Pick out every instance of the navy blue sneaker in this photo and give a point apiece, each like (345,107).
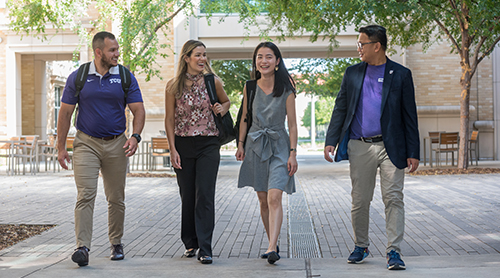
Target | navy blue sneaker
(394,261)
(358,255)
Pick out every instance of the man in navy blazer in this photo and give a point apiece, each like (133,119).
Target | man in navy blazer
(374,125)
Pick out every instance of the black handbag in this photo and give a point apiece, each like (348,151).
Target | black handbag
(224,123)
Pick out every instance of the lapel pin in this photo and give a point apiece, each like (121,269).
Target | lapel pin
(391,71)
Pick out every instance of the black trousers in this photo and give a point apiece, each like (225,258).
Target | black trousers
(200,157)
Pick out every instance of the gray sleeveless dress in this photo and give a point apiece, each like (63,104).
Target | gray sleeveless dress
(267,146)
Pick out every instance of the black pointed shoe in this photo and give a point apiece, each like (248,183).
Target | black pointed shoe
(205,259)
(117,252)
(81,256)
(265,255)
(272,257)
(189,253)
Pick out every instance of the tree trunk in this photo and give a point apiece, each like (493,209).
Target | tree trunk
(464,120)
(465,82)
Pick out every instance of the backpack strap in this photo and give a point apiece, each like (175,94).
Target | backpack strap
(81,78)
(126,78)
(83,72)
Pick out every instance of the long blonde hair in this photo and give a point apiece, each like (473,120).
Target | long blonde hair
(177,86)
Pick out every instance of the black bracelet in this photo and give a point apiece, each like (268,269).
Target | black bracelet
(293,150)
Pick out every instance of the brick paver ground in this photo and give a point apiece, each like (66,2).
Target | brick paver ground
(445,215)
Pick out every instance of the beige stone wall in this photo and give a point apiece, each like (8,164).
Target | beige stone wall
(481,92)
(153,91)
(436,74)
(28,93)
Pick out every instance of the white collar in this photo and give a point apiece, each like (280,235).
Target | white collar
(112,70)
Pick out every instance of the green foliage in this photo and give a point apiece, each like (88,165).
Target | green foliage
(142,21)
(32,16)
(471,27)
(234,74)
(321,77)
(322,111)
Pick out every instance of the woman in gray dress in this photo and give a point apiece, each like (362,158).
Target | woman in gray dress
(268,152)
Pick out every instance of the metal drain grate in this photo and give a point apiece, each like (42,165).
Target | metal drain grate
(301,235)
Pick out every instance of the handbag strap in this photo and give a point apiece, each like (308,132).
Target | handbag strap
(210,84)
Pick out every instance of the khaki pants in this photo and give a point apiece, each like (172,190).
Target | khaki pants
(91,154)
(364,159)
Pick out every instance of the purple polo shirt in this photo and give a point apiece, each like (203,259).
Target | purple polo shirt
(366,122)
(101,108)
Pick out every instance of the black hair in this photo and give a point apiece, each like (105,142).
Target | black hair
(376,33)
(282,79)
(98,40)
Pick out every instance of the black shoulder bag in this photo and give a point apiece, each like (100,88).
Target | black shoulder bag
(224,123)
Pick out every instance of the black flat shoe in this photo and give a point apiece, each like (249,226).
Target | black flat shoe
(190,252)
(265,255)
(273,257)
(205,259)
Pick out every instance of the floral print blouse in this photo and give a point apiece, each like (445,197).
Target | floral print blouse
(193,116)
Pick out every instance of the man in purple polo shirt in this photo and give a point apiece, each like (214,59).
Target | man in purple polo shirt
(100,142)
(374,125)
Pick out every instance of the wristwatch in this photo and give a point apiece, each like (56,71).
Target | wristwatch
(137,137)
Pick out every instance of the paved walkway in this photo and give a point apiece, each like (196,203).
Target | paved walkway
(452,227)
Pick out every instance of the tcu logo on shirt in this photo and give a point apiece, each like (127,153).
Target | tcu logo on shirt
(115,80)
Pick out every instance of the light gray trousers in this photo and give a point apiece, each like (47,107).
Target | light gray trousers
(365,159)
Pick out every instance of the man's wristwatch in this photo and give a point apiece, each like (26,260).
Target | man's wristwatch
(137,137)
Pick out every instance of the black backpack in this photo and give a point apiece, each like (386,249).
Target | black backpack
(83,72)
(251,85)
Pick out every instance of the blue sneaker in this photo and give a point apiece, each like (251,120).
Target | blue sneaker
(394,261)
(358,255)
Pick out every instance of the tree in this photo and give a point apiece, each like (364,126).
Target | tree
(321,77)
(471,27)
(234,74)
(142,21)
(323,111)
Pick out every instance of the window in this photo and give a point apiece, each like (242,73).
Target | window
(57,104)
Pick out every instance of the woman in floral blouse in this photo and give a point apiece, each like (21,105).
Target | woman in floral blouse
(194,147)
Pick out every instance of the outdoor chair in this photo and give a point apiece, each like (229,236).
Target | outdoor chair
(7,150)
(433,142)
(159,148)
(48,152)
(27,152)
(448,143)
(474,146)
(141,156)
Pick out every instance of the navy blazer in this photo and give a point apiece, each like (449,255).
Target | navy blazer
(398,118)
